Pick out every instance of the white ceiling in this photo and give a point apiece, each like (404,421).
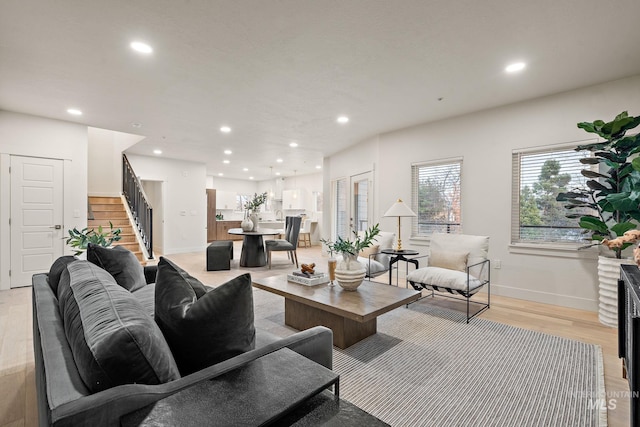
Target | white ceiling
(278,71)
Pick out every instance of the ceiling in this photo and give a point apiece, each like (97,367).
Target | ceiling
(278,71)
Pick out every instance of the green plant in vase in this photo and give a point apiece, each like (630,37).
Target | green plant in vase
(610,205)
(349,272)
(80,239)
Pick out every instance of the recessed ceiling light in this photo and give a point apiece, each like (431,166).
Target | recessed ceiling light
(136,125)
(226,162)
(250,177)
(74,111)
(343,119)
(220,174)
(227,151)
(318,167)
(277,173)
(515,67)
(279,160)
(293,144)
(225,129)
(158,152)
(141,47)
(245,169)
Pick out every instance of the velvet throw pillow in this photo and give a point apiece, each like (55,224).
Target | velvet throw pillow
(203,329)
(121,263)
(113,340)
(56,270)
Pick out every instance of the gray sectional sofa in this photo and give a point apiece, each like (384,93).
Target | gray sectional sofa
(65,399)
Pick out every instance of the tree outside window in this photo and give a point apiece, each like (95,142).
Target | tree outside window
(540,177)
(436,198)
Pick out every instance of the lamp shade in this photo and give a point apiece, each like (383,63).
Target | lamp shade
(399,208)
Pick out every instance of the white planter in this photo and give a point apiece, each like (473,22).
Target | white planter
(608,275)
(350,272)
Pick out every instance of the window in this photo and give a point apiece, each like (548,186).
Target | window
(435,197)
(538,177)
(340,209)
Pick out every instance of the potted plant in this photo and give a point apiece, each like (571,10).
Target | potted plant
(79,239)
(610,205)
(253,206)
(349,272)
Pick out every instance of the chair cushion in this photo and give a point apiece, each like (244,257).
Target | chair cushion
(121,263)
(371,250)
(477,246)
(279,245)
(385,241)
(206,330)
(113,340)
(373,269)
(452,260)
(56,270)
(445,278)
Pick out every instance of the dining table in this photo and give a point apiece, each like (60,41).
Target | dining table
(253,253)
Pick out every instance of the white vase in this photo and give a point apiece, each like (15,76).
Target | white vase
(608,275)
(254,219)
(246,224)
(350,272)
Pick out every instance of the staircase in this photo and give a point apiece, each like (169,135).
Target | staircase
(107,209)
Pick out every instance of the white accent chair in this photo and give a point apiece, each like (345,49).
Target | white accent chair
(457,264)
(378,263)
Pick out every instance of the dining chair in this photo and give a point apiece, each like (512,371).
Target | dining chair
(289,243)
(305,233)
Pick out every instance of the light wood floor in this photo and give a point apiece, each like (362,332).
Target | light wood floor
(17,381)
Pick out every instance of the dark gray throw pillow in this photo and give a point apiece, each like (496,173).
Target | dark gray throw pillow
(56,270)
(202,331)
(113,340)
(121,263)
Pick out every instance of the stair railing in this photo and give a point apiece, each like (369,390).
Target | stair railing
(138,204)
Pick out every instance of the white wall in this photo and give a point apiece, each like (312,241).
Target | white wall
(486,140)
(26,135)
(105,160)
(185,206)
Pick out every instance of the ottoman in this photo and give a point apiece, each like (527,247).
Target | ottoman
(219,255)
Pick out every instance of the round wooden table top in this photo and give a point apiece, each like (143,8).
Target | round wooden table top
(259,232)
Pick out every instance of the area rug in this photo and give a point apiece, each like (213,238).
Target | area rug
(427,367)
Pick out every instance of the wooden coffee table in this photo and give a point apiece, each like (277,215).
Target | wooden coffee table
(352,316)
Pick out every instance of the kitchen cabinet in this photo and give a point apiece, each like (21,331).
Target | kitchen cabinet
(226,200)
(211,215)
(223,228)
(293,199)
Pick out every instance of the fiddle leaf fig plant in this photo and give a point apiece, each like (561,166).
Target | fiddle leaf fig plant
(80,239)
(610,204)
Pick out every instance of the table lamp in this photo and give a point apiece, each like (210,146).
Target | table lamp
(399,209)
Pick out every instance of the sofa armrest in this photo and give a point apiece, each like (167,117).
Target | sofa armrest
(150,272)
(106,407)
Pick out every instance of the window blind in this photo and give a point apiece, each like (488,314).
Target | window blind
(436,197)
(538,177)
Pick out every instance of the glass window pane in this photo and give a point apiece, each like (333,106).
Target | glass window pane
(436,198)
(541,176)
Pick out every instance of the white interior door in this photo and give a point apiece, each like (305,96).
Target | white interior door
(361,201)
(37,234)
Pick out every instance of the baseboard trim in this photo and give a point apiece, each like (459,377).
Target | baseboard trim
(545,297)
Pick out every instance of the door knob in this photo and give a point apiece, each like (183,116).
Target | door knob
(57,226)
